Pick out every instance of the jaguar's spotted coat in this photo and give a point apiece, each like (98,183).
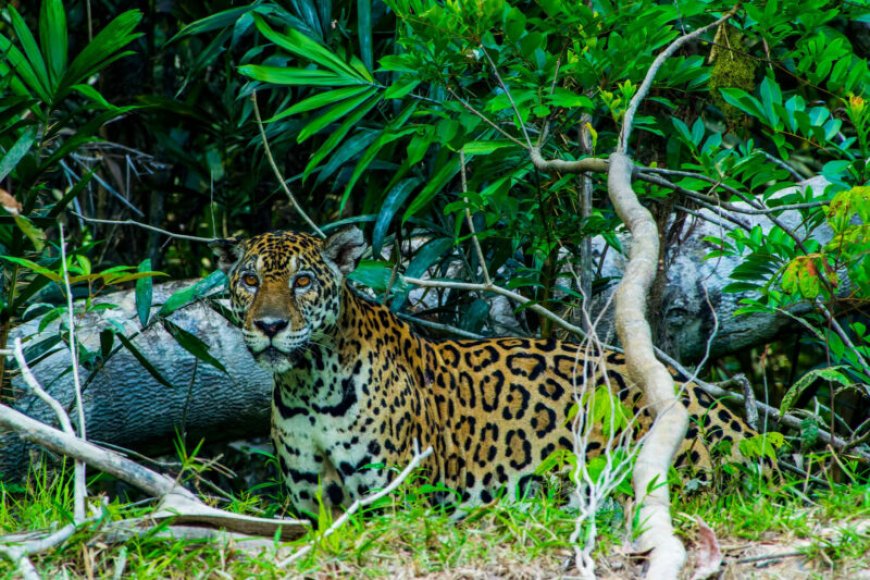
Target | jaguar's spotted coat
(355,386)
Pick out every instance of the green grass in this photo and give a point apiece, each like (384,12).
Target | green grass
(405,535)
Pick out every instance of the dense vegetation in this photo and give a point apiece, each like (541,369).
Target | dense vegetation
(407,116)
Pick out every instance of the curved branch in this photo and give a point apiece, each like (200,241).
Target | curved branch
(671,418)
(628,120)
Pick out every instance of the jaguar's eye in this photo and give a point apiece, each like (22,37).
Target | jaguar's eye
(251,280)
(302,281)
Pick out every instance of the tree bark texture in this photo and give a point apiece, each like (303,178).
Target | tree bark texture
(693,292)
(125,406)
(656,455)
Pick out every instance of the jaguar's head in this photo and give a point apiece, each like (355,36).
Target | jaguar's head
(286,289)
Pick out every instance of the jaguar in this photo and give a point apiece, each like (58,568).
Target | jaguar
(356,389)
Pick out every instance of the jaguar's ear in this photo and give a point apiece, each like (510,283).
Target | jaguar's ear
(344,248)
(228,252)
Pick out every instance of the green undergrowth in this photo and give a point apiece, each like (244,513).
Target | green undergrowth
(405,536)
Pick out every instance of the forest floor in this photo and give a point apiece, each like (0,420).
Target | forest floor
(785,530)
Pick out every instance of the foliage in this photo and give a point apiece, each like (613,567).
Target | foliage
(370,109)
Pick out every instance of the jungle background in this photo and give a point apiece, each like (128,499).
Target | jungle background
(406,117)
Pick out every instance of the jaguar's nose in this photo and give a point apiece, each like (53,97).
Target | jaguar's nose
(271,326)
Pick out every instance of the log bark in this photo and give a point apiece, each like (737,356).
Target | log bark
(693,294)
(125,406)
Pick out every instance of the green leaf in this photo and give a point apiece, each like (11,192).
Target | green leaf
(374,274)
(562,97)
(321,100)
(53,38)
(33,233)
(192,344)
(350,148)
(31,51)
(93,94)
(486,147)
(297,43)
(144,292)
(427,255)
(762,445)
(306,77)
(364,29)
(103,49)
(19,65)
(770,95)
(24,262)
(146,364)
(392,202)
(338,134)
(193,293)
(385,138)
(17,151)
(212,22)
(794,392)
(442,176)
(400,89)
(333,114)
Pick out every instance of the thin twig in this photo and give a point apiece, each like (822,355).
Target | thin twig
(438,326)
(766,557)
(474,240)
(503,292)
(485,119)
(643,90)
(18,553)
(34,385)
(277,171)
(509,98)
(80,483)
(363,502)
(143,226)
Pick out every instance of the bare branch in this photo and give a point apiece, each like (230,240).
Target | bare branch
(143,226)
(475,241)
(80,484)
(510,98)
(773,413)
(537,308)
(30,381)
(177,503)
(277,171)
(640,95)
(589,164)
(484,118)
(671,418)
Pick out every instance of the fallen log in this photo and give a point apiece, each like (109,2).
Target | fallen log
(127,407)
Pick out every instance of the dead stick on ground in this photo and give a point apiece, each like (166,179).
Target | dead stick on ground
(176,501)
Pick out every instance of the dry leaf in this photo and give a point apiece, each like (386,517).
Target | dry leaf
(9,203)
(708,557)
